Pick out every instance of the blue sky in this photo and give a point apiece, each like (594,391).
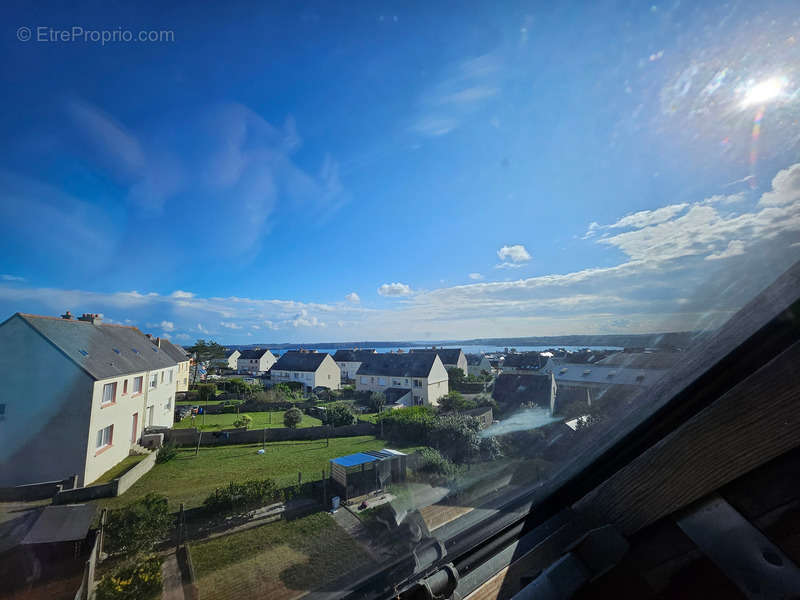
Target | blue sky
(397,171)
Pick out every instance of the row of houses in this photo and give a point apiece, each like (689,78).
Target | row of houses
(78,394)
(255,362)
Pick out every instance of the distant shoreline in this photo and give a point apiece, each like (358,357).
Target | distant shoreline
(669,340)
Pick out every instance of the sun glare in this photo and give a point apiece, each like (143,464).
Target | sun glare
(764,91)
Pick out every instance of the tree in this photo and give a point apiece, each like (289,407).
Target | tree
(292,417)
(376,401)
(138,526)
(455,375)
(243,421)
(339,414)
(204,351)
(206,392)
(455,402)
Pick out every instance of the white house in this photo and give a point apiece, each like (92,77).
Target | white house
(311,368)
(255,361)
(452,358)
(420,373)
(229,361)
(477,364)
(77,395)
(180,356)
(350,360)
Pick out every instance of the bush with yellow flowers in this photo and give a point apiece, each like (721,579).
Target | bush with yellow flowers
(138,580)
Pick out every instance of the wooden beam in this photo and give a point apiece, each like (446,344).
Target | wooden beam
(752,423)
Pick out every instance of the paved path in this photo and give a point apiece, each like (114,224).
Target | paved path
(171,577)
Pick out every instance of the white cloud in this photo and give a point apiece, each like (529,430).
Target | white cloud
(516,253)
(183,336)
(166,335)
(475,276)
(167,325)
(508,265)
(394,289)
(229,325)
(592,230)
(11,278)
(353,298)
(181,294)
(735,248)
(643,218)
(202,329)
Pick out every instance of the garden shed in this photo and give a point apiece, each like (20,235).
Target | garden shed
(363,472)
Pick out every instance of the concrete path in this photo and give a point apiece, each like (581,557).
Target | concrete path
(171,578)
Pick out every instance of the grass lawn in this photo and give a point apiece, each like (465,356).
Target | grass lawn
(260,420)
(197,403)
(277,560)
(370,417)
(125,465)
(190,479)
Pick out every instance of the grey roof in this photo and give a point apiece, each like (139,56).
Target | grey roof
(103,350)
(253,354)
(230,353)
(475,359)
(61,524)
(176,353)
(448,356)
(597,374)
(295,360)
(353,355)
(417,364)
(524,360)
(394,395)
(522,388)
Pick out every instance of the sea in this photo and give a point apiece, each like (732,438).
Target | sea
(472,349)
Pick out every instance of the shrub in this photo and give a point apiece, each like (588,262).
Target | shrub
(434,463)
(138,526)
(292,417)
(137,581)
(456,436)
(243,421)
(454,401)
(241,498)
(376,401)
(339,414)
(490,448)
(168,452)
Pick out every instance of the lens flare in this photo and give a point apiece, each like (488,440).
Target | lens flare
(763,92)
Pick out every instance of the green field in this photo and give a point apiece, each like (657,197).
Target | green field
(225,421)
(190,479)
(276,560)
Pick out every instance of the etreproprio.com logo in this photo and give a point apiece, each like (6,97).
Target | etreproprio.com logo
(92,36)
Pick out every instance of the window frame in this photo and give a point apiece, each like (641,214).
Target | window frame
(108,386)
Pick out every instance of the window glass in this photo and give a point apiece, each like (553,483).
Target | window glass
(570,198)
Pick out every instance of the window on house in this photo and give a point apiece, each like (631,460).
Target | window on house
(105,437)
(137,385)
(363,379)
(2,412)
(417,383)
(171,375)
(109,393)
(162,376)
(154,381)
(124,387)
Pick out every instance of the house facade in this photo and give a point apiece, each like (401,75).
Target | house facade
(350,360)
(452,358)
(255,361)
(423,373)
(312,369)
(79,394)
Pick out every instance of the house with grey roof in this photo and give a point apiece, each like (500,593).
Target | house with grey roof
(77,395)
(311,368)
(477,364)
(422,373)
(350,359)
(255,361)
(229,361)
(180,356)
(452,358)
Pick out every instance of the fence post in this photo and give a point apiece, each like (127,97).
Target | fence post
(299,478)
(181,520)
(101,535)
(324,489)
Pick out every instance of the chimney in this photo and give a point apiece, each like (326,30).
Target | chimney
(67,315)
(92,318)
(158,342)
(149,336)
